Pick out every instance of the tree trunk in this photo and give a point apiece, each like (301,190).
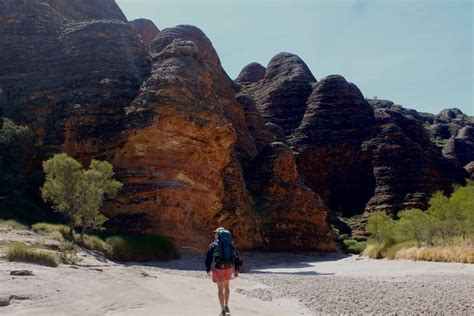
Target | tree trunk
(71,231)
(83,230)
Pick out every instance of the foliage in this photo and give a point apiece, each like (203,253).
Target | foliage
(381,226)
(447,223)
(141,248)
(20,252)
(78,193)
(16,179)
(353,246)
(95,243)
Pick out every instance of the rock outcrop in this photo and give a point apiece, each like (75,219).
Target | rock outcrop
(146,29)
(68,69)
(161,109)
(470,169)
(461,147)
(284,206)
(281,95)
(407,166)
(356,160)
(252,73)
(328,144)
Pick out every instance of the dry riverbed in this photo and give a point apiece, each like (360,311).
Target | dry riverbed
(273,284)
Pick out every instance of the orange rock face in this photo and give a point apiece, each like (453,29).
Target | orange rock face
(190,154)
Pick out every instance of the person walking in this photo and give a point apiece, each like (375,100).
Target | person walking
(222,261)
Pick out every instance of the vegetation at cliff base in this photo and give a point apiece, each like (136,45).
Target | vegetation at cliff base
(444,232)
(120,247)
(78,193)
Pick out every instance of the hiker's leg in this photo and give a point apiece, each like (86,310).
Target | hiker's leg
(226,292)
(220,293)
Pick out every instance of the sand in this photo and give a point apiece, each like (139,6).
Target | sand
(272,284)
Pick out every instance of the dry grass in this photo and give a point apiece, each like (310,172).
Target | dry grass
(463,254)
(94,243)
(20,252)
(50,228)
(374,251)
(10,223)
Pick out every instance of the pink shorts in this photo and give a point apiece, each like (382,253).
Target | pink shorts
(221,275)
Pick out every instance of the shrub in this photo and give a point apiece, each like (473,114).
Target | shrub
(374,250)
(381,226)
(353,246)
(141,248)
(20,252)
(415,225)
(94,243)
(445,232)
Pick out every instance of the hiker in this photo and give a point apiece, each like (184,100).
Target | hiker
(224,261)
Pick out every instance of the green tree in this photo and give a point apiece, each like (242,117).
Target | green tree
(414,224)
(78,193)
(462,209)
(381,226)
(15,147)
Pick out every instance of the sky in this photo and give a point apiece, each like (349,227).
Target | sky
(417,53)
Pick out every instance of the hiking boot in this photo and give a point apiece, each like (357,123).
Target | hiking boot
(227,310)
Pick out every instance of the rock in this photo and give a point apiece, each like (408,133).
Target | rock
(470,169)
(252,73)
(408,168)
(451,113)
(281,95)
(261,134)
(360,161)
(461,146)
(328,144)
(445,131)
(177,142)
(292,217)
(4,301)
(146,29)
(77,66)
(22,272)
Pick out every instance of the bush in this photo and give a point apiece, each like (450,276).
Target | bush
(94,243)
(445,232)
(20,252)
(353,246)
(375,250)
(141,248)
(381,226)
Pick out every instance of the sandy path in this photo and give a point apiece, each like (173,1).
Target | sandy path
(122,290)
(273,284)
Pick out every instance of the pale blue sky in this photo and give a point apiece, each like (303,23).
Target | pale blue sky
(416,53)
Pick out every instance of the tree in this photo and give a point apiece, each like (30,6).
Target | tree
(78,193)
(15,147)
(414,224)
(380,226)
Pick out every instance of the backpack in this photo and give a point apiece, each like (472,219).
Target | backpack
(224,246)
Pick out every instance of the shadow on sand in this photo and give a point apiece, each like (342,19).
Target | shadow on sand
(254,262)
